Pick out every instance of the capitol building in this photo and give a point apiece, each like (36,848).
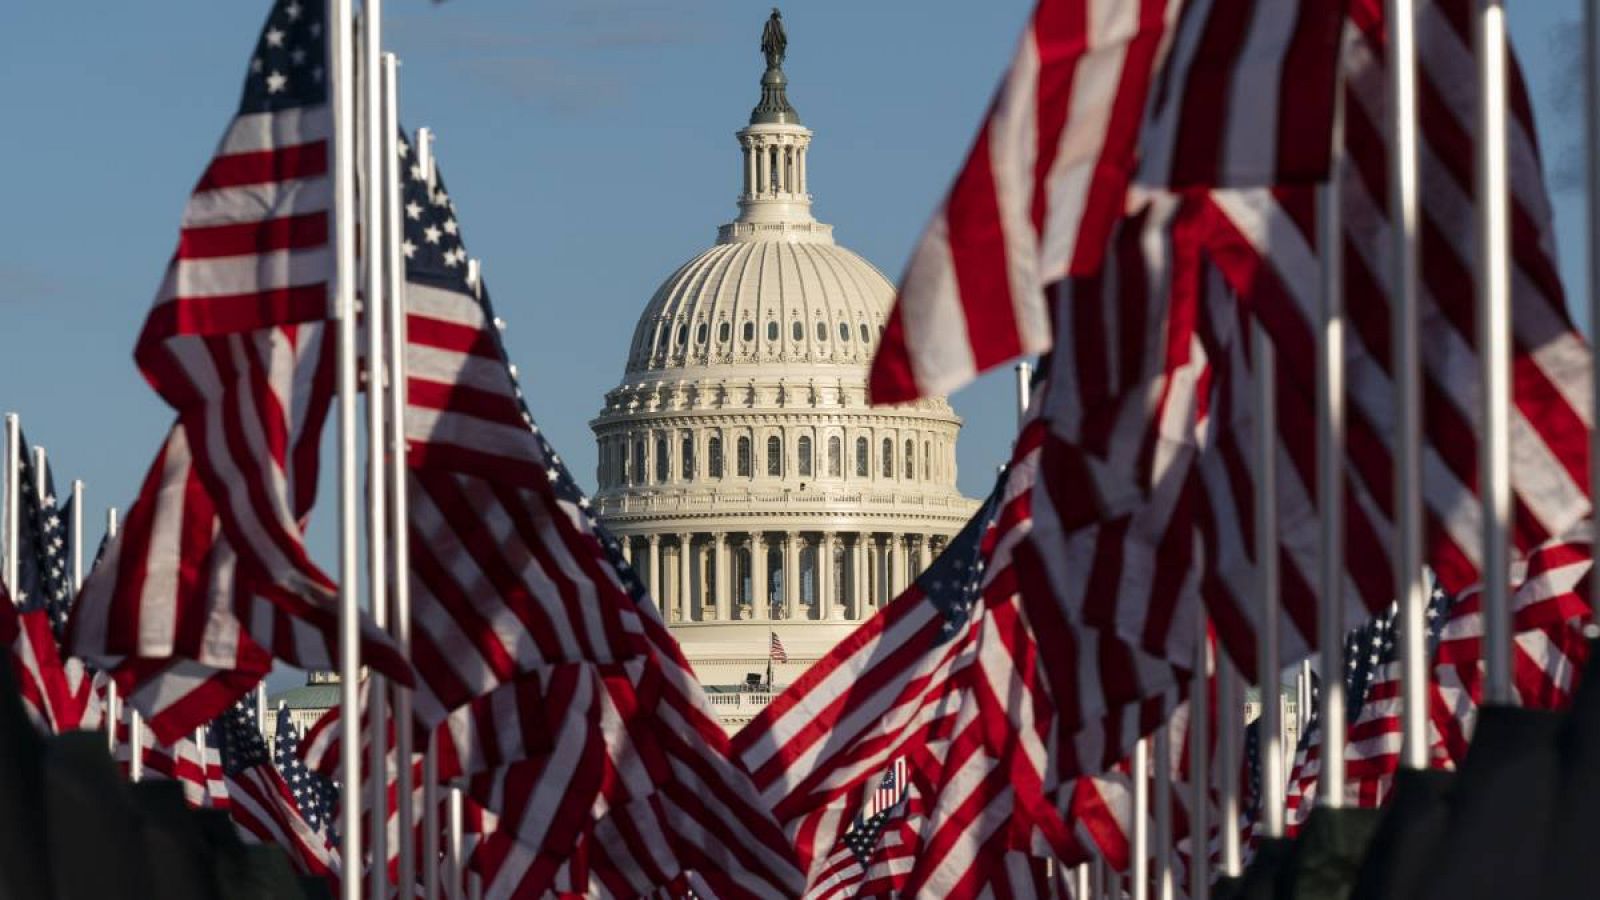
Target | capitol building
(740,464)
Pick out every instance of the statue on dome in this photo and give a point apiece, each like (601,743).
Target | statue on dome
(773,41)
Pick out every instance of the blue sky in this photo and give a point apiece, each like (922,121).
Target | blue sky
(588,145)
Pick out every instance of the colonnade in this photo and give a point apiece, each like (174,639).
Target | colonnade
(726,576)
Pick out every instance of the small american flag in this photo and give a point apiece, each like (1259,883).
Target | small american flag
(775,651)
(263,807)
(317,796)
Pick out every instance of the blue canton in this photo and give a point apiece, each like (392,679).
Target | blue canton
(42,551)
(289,67)
(238,738)
(315,795)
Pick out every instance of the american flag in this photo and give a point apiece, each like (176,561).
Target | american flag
(191,761)
(316,796)
(42,551)
(775,651)
(235,343)
(36,664)
(875,852)
(1228,93)
(263,807)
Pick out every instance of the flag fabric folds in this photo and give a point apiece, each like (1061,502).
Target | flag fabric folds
(262,805)
(209,578)
(775,651)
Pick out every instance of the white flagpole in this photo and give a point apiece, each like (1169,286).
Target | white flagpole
(76,527)
(457,870)
(1494,345)
(374,268)
(113,711)
(1024,390)
(1080,881)
(1591,86)
(1268,660)
(1139,864)
(430,755)
(41,459)
(1403,211)
(135,746)
(1199,765)
(13,499)
(395,435)
(1161,747)
(1330,464)
(341,63)
(261,710)
(1231,725)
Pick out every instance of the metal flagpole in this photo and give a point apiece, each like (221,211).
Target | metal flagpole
(1494,345)
(457,871)
(76,526)
(1591,86)
(1230,726)
(373,271)
(113,711)
(1080,880)
(341,57)
(41,459)
(1330,464)
(135,746)
(1403,198)
(1024,389)
(395,458)
(1199,764)
(1161,751)
(13,499)
(430,754)
(1139,864)
(261,710)
(1268,665)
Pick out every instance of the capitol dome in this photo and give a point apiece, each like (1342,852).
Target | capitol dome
(740,463)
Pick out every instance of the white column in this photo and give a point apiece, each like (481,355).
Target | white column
(922,555)
(655,573)
(791,575)
(802,186)
(831,590)
(627,548)
(763,169)
(858,576)
(749,171)
(761,611)
(722,588)
(893,565)
(685,602)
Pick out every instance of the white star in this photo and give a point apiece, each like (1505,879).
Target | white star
(403,149)
(292,11)
(416,172)
(431,234)
(408,248)
(450,226)
(276,82)
(450,259)
(413,210)
(440,198)
(274,37)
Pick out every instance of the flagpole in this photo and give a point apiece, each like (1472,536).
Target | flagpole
(457,873)
(1161,747)
(76,526)
(13,501)
(1268,659)
(1024,390)
(373,270)
(1330,462)
(1230,725)
(1494,350)
(341,57)
(1591,86)
(135,746)
(113,713)
(261,711)
(1199,764)
(1406,354)
(430,755)
(399,514)
(1139,864)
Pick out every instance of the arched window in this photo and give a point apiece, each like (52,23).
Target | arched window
(797,331)
(749,332)
(774,455)
(683,335)
(638,462)
(661,459)
(744,457)
(866,336)
(701,333)
(686,453)
(927,460)
(772,331)
(724,331)
(863,458)
(835,457)
(911,458)
(803,448)
(714,456)
(822,331)
(844,331)
(888,458)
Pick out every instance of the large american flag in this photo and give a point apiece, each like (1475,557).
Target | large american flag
(263,807)
(210,578)
(1101,92)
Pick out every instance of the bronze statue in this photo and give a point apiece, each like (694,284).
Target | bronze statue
(773,41)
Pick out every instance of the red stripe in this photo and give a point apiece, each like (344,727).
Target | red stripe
(298,232)
(277,164)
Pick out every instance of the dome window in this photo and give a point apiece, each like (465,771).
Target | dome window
(863,458)
(772,331)
(714,456)
(822,331)
(775,456)
(835,455)
(749,332)
(701,333)
(686,453)
(844,331)
(803,448)
(866,336)
(638,462)
(661,459)
(888,458)
(744,457)
(797,331)
(683,335)
(927,460)
(911,459)
(725,331)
